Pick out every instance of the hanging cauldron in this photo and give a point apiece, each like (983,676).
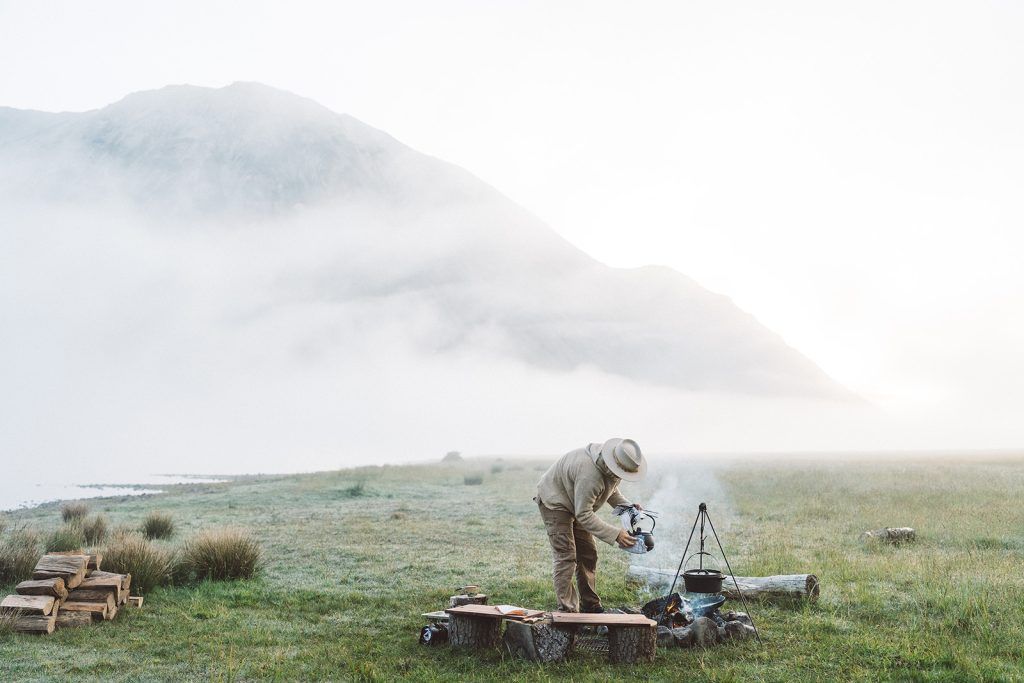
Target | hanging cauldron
(703,580)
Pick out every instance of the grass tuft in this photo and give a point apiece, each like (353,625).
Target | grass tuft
(95,529)
(473,479)
(222,555)
(158,525)
(357,490)
(73,511)
(132,553)
(69,537)
(19,553)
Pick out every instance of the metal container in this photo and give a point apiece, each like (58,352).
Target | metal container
(703,580)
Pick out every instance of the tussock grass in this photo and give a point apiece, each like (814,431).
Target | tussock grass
(73,511)
(132,553)
(68,537)
(158,525)
(473,479)
(222,555)
(95,529)
(20,550)
(7,619)
(357,490)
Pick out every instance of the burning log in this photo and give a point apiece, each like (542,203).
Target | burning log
(539,642)
(630,644)
(783,587)
(894,535)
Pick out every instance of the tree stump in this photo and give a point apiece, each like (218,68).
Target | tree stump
(539,642)
(467,599)
(475,632)
(631,644)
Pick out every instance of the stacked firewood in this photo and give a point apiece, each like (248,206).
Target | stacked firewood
(67,590)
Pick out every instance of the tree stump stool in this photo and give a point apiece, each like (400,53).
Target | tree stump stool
(631,644)
(539,642)
(477,632)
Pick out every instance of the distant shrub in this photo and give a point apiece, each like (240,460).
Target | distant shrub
(95,529)
(68,537)
(473,479)
(452,456)
(19,552)
(132,553)
(222,555)
(357,490)
(497,469)
(73,511)
(398,514)
(158,525)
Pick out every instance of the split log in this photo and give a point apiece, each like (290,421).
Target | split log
(35,623)
(92,595)
(135,601)
(98,610)
(126,579)
(471,631)
(93,561)
(71,568)
(894,535)
(53,587)
(111,584)
(28,604)
(632,644)
(539,642)
(66,619)
(782,587)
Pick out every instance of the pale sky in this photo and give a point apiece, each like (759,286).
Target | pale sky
(847,172)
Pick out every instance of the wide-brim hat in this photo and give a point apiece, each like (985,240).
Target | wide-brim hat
(624,459)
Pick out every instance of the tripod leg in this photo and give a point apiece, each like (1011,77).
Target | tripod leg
(732,575)
(682,559)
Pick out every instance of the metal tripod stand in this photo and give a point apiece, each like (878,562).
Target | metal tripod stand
(702,519)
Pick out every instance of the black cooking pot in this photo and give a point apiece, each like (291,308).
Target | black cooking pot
(703,580)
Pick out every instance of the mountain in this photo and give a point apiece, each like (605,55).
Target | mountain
(377,238)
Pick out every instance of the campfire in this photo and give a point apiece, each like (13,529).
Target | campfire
(696,620)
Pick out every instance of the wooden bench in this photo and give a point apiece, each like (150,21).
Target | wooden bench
(631,637)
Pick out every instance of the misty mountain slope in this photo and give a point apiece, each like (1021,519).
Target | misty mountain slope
(373,236)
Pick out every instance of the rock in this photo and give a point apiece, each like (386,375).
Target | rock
(705,632)
(737,630)
(741,617)
(683,636)
(665,638)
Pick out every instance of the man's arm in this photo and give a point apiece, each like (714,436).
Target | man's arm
(584,496)
(617,498)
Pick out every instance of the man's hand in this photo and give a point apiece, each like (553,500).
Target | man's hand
(638,506)
(624,540)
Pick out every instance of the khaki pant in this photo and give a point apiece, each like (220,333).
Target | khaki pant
(575,554)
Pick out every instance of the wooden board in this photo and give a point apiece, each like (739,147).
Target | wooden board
(490,611)
(52,587)
(28,604)
(601,619)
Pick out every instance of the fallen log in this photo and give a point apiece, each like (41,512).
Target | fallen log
(28,604)
(891,534)
(66,619)
(35,623)
(782,587)
(53,587)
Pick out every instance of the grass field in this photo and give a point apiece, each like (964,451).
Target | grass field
(354,557)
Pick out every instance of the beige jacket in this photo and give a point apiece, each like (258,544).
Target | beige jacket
(575,484)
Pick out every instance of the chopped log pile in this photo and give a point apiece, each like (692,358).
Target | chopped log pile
(67,590)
